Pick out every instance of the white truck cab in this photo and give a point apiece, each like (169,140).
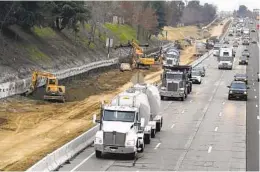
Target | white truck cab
(128,122)
(226,58)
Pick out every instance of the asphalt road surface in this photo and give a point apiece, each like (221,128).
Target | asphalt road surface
(205,132)
(252,111)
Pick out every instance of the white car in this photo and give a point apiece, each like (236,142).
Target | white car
(196,77)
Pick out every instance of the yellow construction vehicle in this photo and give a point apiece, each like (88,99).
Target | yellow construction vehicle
(139,59)
(52,91)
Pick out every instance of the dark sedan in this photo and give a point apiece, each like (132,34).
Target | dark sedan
(240,77)
(237,89)
(243,60)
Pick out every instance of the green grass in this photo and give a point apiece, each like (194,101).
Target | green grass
(36,55)
(122,32)
(88,27)
(45,32)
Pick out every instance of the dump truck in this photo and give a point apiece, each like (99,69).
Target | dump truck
(53,91)
(176,82)
(129,121)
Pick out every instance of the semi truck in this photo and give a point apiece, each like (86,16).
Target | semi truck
(226,58)
(176,82)
(129,121)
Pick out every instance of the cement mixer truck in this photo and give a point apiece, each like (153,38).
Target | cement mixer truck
(129,121)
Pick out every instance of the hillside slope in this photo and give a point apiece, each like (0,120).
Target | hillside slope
(49,50)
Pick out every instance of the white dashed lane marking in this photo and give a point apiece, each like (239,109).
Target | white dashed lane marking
(156,147)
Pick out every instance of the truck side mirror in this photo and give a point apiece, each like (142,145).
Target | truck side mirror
(142,122)
(228,86)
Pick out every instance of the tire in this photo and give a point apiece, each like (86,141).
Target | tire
(142,146)
(147,139)
(183,98)
(158,126)
(229,98)
(200,82)
(162,97)
(245,98)
(153,133)
(98,154)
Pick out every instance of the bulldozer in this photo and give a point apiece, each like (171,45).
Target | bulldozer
(53,91)
(138,59)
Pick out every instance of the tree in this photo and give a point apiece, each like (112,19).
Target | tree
(69,13)
(149,21)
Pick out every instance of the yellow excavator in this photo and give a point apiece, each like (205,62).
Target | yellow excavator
(139,59)
(53,90)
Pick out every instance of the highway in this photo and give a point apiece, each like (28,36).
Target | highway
(252,120)
(205,132)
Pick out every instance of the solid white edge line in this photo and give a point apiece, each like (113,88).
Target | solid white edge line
(256,105)
(258,117)
(191,101)
(157,145)
(82,162)
(254,89)
(223,103)
(220,113)
(182,111)
(256,97)
(216,129)
(172,125)
(210,148)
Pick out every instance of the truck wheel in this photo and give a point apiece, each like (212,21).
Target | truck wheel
(183,98)
(153,133)
(229,98)
(147,139)
(140,146)
(245,98)
(162,97)
(98,154)
(158,126)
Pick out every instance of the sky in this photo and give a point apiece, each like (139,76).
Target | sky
(230,5)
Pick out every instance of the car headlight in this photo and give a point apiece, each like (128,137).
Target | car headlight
(230,92)
(130,143)
(245,92)
(98,140)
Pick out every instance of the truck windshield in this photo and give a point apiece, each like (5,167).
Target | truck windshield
(173,76)
(225,59)
(122,116)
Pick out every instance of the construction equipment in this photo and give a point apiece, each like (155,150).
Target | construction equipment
(139,59)
(52,91)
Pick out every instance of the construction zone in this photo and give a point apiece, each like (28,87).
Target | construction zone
(31,126)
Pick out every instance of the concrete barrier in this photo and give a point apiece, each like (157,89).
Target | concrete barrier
(54,160)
